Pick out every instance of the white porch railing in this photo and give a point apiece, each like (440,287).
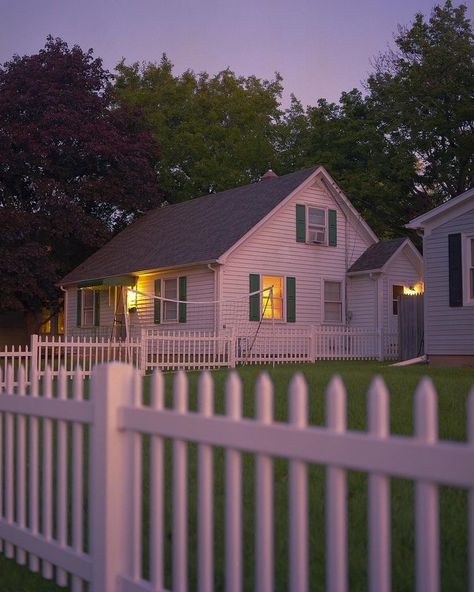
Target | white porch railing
(43,473)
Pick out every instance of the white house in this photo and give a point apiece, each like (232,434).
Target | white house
(298,233)
(448,249)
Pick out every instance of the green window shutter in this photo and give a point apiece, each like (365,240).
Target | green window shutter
(455,269)
(97,308)
(254,301)
(79,308)
(300,223)
(157,303)
(332,224)
(290,299)
(182,296)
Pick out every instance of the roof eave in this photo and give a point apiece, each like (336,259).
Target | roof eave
(364,272)
(138,273)
(419,222)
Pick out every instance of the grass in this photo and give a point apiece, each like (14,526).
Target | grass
(453,386)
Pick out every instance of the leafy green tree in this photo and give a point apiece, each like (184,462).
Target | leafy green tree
(74,168)
(423,96)
(408,143)
(215,132)
(345,138)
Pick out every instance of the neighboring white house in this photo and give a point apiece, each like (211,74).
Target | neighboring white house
(298,233)
(448,249)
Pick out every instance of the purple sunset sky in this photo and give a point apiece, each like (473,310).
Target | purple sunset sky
(320,48)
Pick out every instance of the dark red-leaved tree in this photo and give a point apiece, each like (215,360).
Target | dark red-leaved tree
(75,167)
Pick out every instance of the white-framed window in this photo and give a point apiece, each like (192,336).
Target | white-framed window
(317,225)
(88,308)
(170,309)
(397,291)
(333,301)
(468,270)
(272,300)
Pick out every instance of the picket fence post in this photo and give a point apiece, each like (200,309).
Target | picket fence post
(143,351)
(380,356)
(312,344)
(112,386)
(34,362)
(232,347)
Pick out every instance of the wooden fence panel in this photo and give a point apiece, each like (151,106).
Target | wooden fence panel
(410,326)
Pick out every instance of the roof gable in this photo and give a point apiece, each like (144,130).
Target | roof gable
(446,211)
(379,255)
(196,231)
(202,230)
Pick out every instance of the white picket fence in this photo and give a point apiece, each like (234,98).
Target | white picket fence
(49,501)
(199,350)
(186,350)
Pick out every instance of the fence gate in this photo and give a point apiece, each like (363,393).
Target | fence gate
(410,326)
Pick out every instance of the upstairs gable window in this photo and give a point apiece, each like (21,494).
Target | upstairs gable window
(317,226)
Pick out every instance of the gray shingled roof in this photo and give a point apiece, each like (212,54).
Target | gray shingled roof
(195,231)
(377,255)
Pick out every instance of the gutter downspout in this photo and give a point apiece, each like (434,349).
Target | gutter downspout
(217,288)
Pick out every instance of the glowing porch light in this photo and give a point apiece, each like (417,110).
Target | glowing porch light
(132,297)
(414,290)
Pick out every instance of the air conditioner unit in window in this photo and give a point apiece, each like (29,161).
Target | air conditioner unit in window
(317,237)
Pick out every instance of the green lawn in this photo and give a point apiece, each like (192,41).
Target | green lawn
(453,386)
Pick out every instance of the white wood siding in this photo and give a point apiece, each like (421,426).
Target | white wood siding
(200,288)
(273,250)
(448,330)
(362,301)
(402,272)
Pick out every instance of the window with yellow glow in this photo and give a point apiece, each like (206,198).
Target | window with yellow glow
(272,299)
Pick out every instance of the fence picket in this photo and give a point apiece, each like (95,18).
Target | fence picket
(21,465)
(77,480)
(180,492)
(426,495)
(33,492)
(205,492)
(336,495)
(47,568)
(233,491)
(298,494)
(61,478)
(157,490)
(264,492)
(379,566)
(9,461)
